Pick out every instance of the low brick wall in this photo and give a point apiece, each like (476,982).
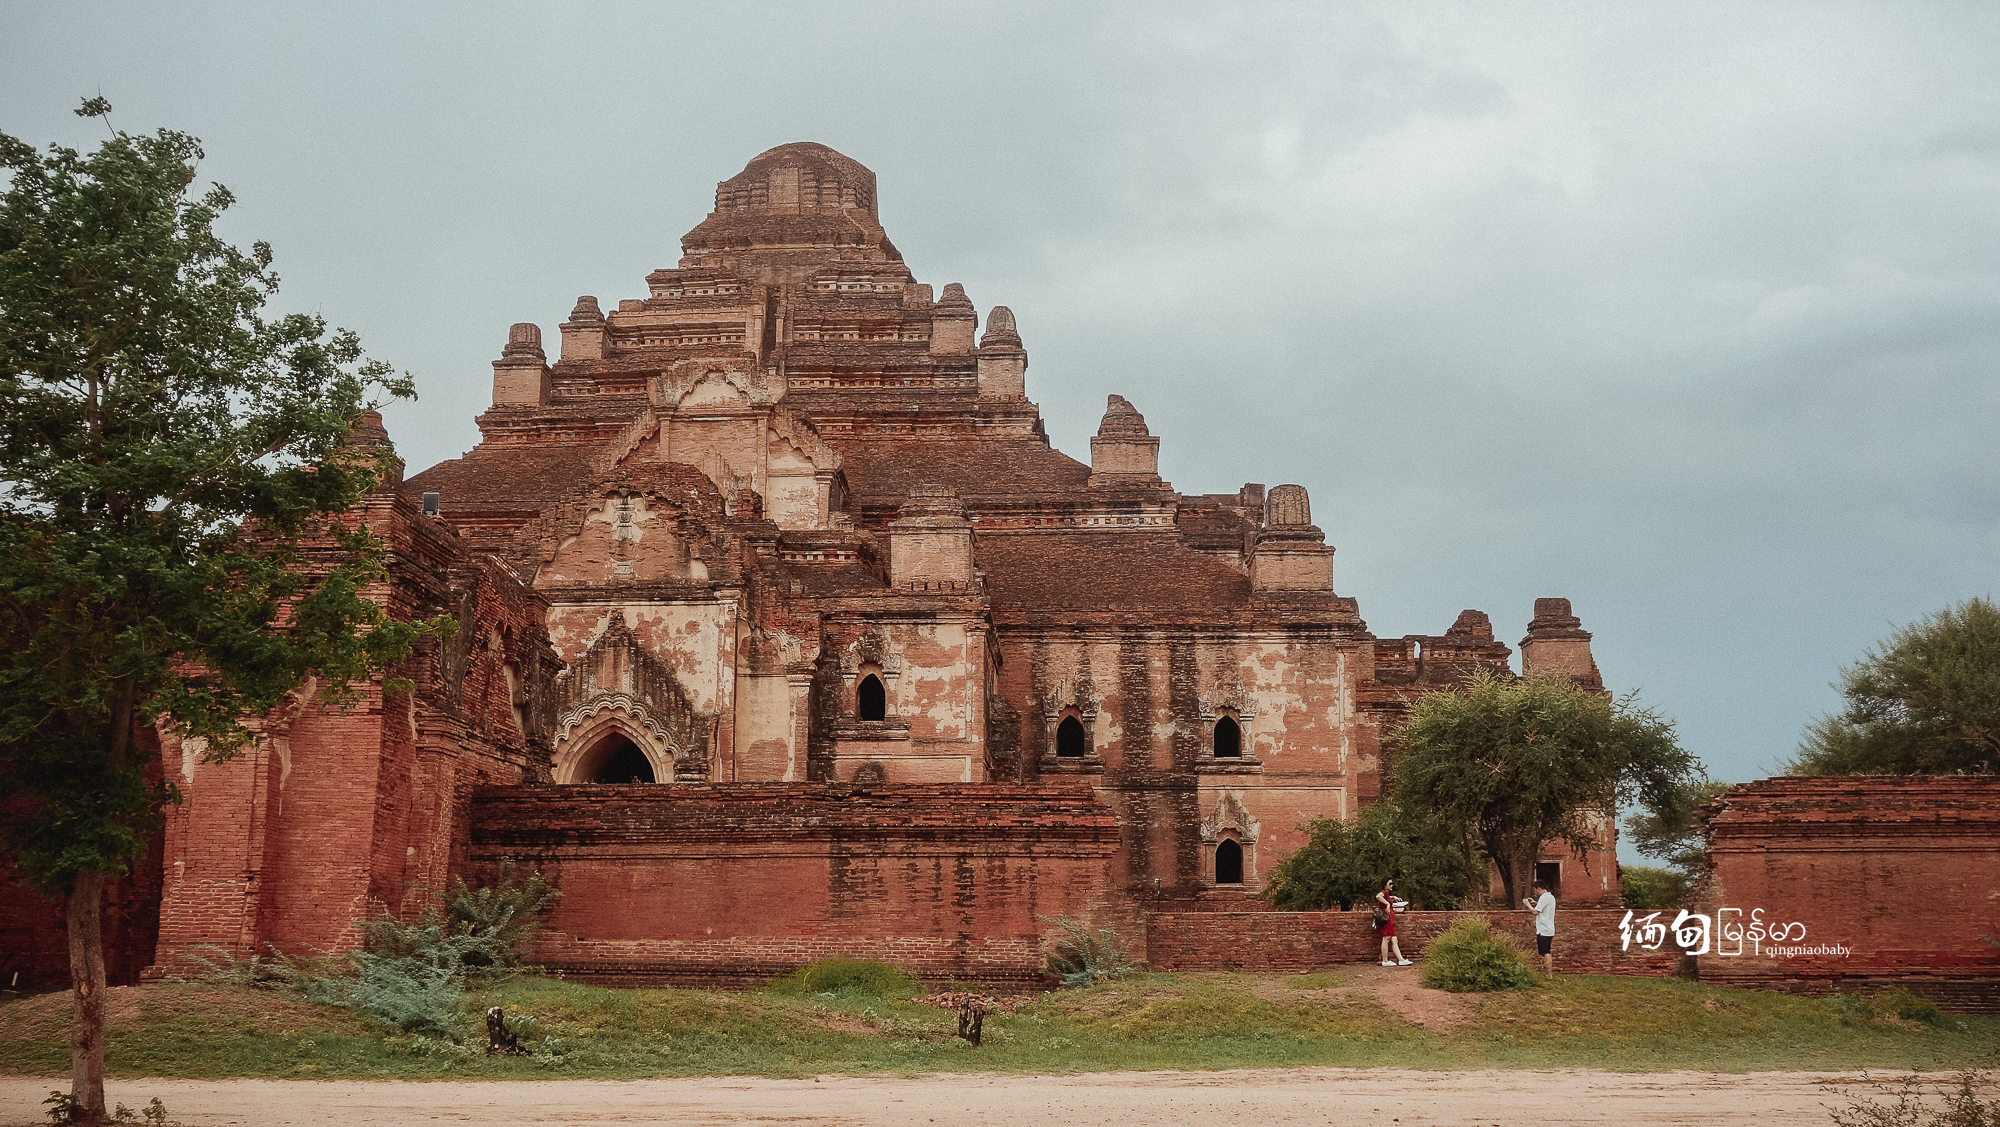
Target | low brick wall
(732,885)
(1587,940)
(1876,881)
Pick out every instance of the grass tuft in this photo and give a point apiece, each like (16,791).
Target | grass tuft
(847,978)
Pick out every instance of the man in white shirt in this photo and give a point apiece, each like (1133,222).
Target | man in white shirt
(1543,904)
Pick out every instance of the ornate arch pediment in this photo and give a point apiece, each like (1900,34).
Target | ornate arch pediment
(726,379)
(871,648)
(1225,696)
(1054,695)
(1230,817)
(617,685)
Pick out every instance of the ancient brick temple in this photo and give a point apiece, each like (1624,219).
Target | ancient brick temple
(785,632)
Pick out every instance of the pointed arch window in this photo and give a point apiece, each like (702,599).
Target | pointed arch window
(1228,862)
(1228,739)
(871,701)
(1070,741)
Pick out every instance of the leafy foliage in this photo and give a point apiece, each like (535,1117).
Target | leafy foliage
(1346,862)
(1925,702)
(147,412)
(411,975)
(415,995)
(482,930)
(1513,763)
(1672,835)
(146,408)
(1080,956)
(1646,887)
(1470,956)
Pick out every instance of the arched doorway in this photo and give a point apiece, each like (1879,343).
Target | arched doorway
(612,758)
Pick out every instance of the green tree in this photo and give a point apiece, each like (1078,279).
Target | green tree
(1673,835)
(1512,763)
(1647,886)
(171,478)
(1925,702)
(1345,862)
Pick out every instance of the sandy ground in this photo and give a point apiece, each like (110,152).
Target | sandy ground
(1258,1098)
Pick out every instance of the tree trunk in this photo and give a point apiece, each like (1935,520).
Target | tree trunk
(85,912)
(1516,864)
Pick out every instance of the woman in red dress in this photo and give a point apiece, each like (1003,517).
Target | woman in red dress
(1387,900)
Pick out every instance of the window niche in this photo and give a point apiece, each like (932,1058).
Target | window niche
(1069,719)
(871,700)
(1229,843)
(1228,739)
(1228,862)
(1071,742)
(869,670)
(1228,717)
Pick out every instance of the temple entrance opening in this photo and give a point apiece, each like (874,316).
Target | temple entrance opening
(619,760)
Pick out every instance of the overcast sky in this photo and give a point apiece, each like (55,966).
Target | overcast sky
(1689,312)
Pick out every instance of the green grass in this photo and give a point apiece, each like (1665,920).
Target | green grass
(1191,1021)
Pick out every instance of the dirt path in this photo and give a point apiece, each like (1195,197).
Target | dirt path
(1261,1098)
(1438,1011)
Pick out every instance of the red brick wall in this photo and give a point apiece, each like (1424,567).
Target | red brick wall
(737,883)
(339,813)
(1587,940)
(1903,873)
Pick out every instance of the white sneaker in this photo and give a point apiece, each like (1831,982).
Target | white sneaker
(1402,962)
(1387,963)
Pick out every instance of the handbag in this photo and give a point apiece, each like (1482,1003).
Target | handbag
(1381,917)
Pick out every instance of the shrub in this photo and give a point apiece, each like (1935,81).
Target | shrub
(394,991)
(848,978)
(1081,956)
(481,931)
(1470,956)
(499,919)
(1960,1105)
(411,975)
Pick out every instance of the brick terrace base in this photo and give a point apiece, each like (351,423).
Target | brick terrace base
(1586,940)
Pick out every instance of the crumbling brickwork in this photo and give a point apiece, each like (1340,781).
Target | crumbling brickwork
(339,812)
(1876,882)
(789,519)
(735,884)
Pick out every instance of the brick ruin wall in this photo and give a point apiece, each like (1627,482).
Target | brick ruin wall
(734,885)
(1587,940)
(342,812)
(1902,873)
